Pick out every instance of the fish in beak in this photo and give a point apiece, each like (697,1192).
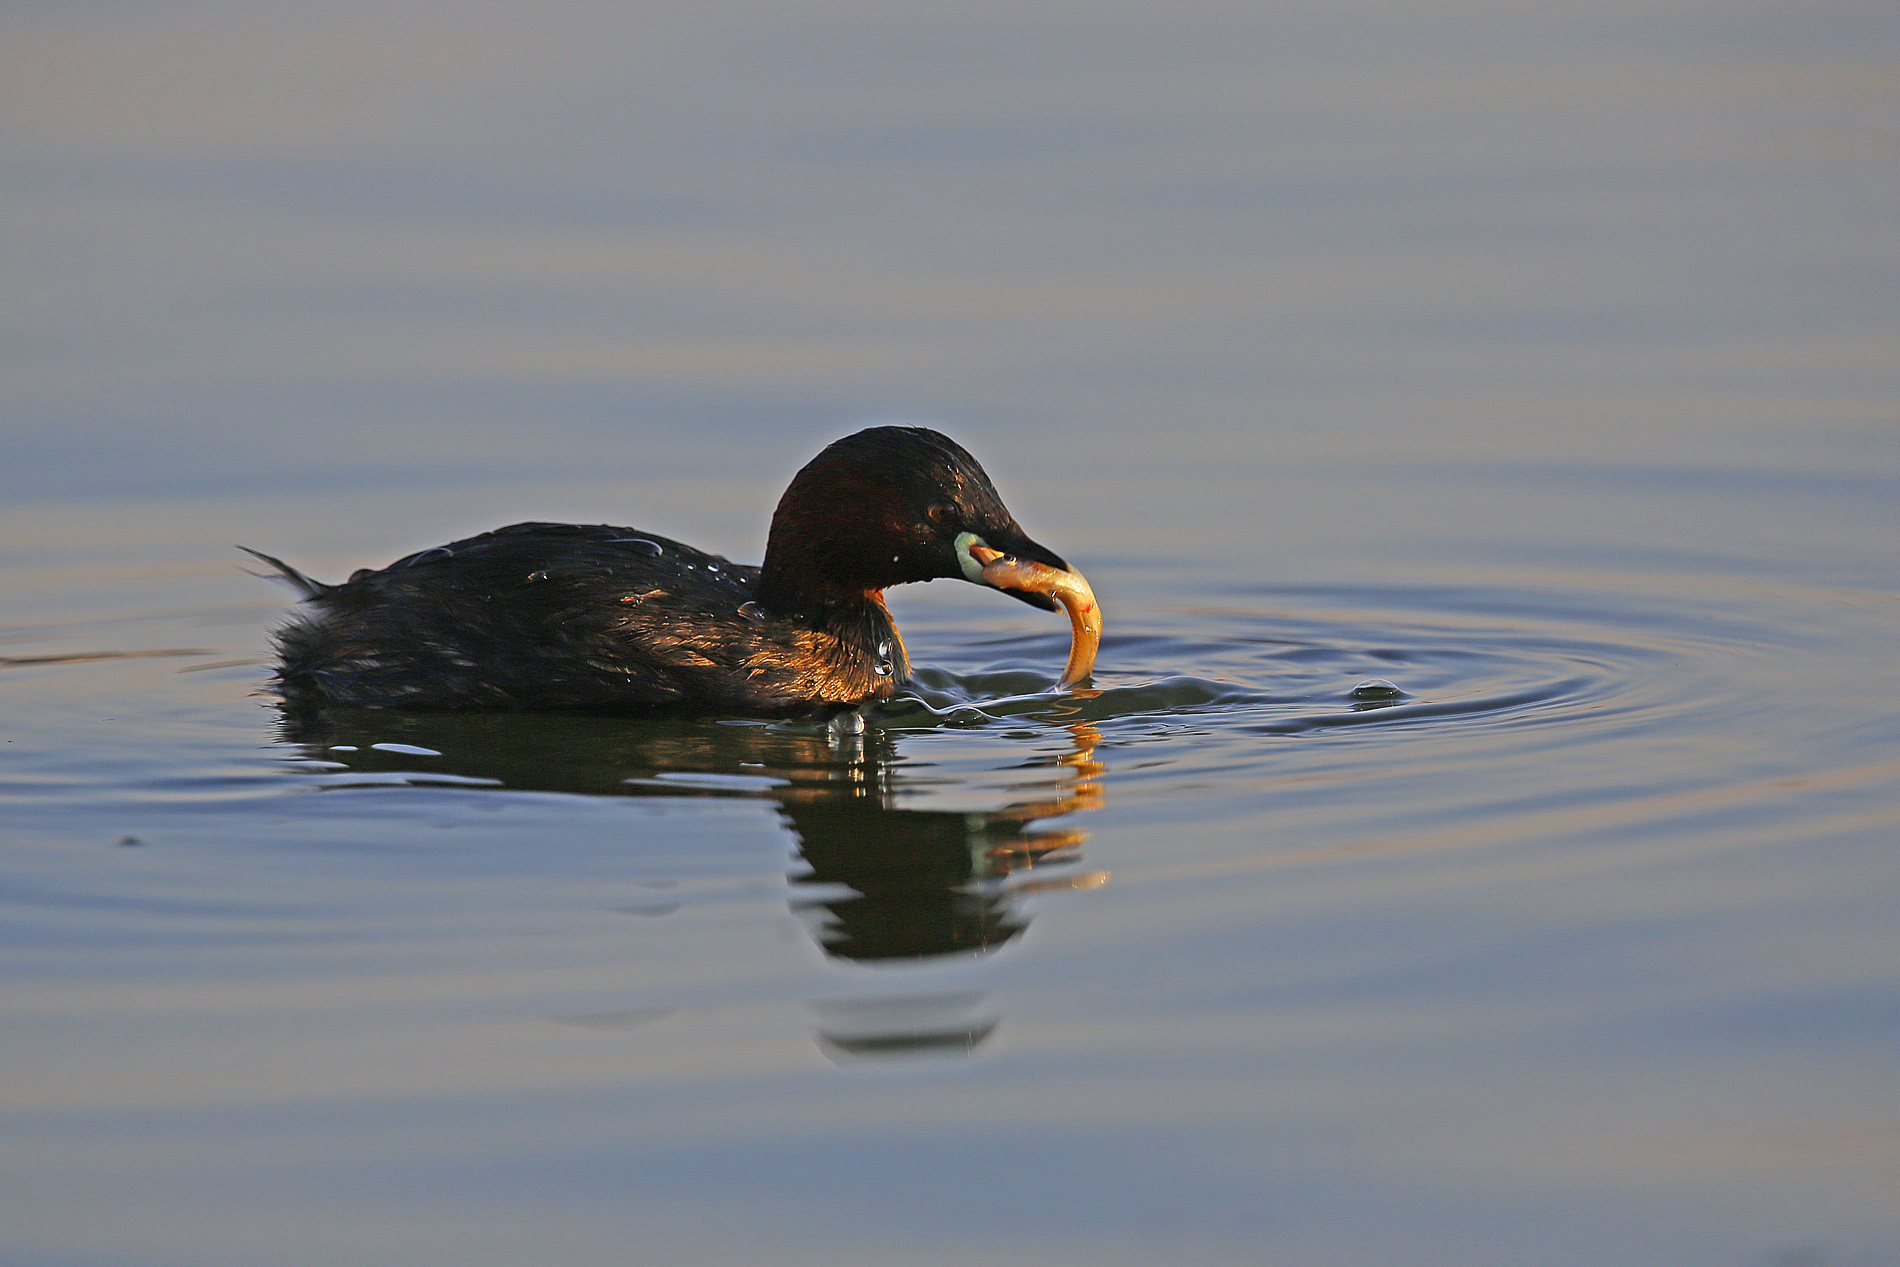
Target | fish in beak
(1042,584)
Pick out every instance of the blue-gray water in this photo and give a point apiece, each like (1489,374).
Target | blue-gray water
(1541,361)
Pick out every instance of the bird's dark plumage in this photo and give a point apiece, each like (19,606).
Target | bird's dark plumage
(593,617)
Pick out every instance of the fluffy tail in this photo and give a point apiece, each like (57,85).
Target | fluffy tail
(290,575)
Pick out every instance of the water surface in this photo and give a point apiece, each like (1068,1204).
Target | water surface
(1538,365)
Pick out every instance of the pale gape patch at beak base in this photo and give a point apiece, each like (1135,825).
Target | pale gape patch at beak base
(972,568)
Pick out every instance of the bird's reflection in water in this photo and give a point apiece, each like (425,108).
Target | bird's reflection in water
(878,883)
(889,885)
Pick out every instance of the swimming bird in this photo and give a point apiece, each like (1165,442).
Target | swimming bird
(596,618)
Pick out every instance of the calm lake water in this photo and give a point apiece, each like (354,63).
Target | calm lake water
(1541,362)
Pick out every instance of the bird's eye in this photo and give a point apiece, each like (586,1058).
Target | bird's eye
(942,513)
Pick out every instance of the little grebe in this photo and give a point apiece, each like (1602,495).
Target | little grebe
(597,618)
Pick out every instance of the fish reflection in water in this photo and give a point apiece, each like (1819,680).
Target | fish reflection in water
(878,884)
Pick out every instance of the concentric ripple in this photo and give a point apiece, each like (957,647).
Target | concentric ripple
(1445,660)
